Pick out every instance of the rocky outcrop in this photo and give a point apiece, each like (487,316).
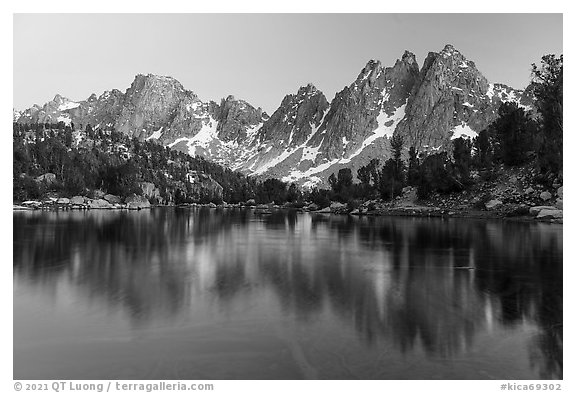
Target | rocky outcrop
(47,178)
(204,187)
(148,104)
(451,98)
(149,190)
(236,118)
(369,106)
(357,127)
(285,135)
(137,202)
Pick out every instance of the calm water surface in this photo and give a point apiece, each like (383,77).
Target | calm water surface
(229,294)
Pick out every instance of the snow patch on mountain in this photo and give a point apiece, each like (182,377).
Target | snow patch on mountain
(68,105)
(203,138)
(386,126)
(156,134)
(308,152)
(297,174)
(464,131)
(65,119)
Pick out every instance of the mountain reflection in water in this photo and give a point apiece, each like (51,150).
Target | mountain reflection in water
(229,294)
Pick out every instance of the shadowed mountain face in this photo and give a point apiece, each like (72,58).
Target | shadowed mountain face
(286,295)
(308,137)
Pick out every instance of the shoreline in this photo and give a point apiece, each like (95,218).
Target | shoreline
(401,211)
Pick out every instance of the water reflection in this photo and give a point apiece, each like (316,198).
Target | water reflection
(427,288)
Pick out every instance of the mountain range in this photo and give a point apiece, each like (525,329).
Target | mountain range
(308,137)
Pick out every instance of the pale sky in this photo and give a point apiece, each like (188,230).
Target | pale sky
(259,57)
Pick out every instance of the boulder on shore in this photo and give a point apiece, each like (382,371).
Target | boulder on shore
(77,200)
(493,204)
(535,210)
(99,204)
(559,204)
(312,207)
(113,199)
(550,213)
(545,195)
(337,207)
(33,204)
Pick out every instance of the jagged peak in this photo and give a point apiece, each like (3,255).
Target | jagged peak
(371,71)
(449,48)
(105,95)
(153,79)
(450,51)
(231,99)
(155,76)
(309,89)
(371,66)
(59,99)
(409,57)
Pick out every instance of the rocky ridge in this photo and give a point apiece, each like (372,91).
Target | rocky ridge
(307,138)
